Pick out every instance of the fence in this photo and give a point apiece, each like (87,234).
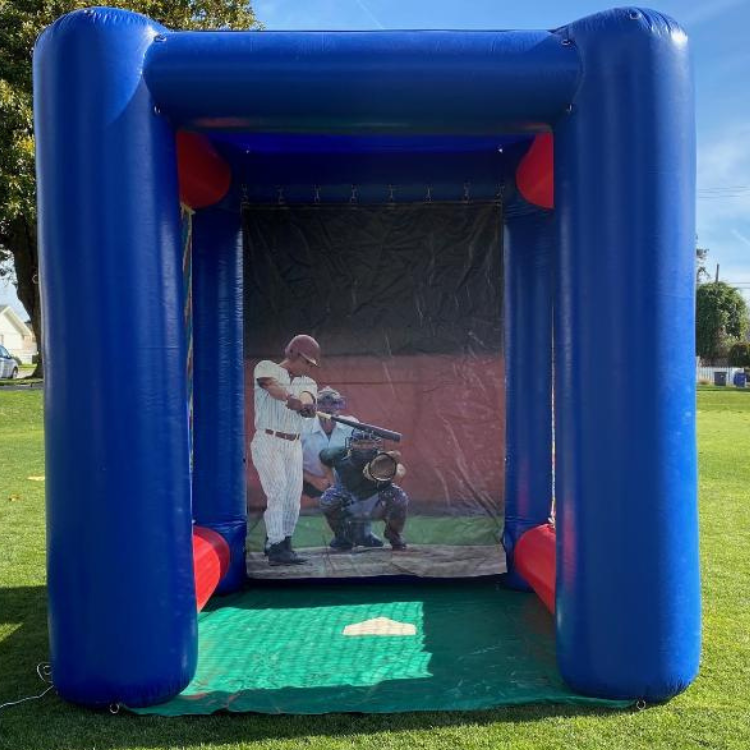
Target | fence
(706,374)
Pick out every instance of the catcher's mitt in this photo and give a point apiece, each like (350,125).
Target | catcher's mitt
(382,468)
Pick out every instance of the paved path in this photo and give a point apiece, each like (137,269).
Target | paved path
(19,385)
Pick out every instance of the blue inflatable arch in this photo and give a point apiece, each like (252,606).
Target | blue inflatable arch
(609,270)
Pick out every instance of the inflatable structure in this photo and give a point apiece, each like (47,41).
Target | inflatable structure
(579,140)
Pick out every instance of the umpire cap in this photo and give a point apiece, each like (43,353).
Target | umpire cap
(330,398)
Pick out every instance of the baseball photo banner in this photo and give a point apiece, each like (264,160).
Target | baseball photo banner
(375,390)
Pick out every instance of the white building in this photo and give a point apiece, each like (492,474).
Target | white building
(16,336)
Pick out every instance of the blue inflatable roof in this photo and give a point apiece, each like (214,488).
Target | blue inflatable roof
(329,167)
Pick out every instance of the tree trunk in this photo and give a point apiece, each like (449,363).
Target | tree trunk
(23,246)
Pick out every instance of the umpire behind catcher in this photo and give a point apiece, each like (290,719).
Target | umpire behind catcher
(325,433)
(362,490)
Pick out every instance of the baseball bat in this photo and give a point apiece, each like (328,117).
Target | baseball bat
(371,428)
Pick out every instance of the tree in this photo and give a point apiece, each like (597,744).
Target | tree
(701,274)
(21,21)
(721,317)
(739,354)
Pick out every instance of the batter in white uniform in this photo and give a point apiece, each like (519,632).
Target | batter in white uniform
(285,397)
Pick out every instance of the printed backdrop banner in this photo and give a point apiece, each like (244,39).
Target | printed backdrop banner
(407,305)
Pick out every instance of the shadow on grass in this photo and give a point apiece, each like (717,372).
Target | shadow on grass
(53,723)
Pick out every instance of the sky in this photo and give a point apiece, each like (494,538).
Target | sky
(718,35)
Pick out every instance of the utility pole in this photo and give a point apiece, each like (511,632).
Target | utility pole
(717,274)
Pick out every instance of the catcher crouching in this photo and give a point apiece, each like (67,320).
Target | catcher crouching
(363,490)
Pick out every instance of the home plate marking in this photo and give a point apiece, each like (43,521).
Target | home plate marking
(380,626)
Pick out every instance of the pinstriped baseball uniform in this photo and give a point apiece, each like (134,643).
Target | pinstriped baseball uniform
(279,461)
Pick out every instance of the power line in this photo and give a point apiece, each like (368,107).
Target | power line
(722,192)
(723,188)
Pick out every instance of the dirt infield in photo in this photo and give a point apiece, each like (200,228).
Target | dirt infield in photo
(434,561)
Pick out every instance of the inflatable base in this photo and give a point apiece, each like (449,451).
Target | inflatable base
(314,649)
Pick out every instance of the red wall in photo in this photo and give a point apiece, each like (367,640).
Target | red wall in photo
(450,409)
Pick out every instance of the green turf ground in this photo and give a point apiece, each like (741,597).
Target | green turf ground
(713,713)
(472,644)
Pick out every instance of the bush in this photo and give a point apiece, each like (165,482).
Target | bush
(721,317)
(739,354)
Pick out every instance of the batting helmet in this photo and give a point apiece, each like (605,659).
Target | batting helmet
(304,346)
(330,400)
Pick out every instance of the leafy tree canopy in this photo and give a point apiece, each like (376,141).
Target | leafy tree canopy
(21,22)
(739,354)
(721,318)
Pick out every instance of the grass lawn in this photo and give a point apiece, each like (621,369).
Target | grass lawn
(713,713)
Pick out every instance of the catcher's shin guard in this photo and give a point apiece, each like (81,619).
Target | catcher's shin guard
(333,503)
(342,531)
(395,502)
(362,535)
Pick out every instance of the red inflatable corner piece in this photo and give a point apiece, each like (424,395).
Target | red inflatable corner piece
(210,561)
(534,559)
(535,176)
(204,176)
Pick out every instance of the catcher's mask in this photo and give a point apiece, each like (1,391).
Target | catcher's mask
(330,400)
(363,445)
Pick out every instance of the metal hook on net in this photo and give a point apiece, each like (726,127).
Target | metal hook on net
(114,708)
(391,194)
(428,197)
(466,198)
(353,197)
(316,197)
(640,704)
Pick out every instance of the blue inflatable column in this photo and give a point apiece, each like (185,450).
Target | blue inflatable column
(628,594)
(218,387)
(528,249)
(122,610)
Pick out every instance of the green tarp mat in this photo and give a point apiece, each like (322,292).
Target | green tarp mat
(373,648)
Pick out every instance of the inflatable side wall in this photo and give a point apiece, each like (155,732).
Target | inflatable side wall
(122,607)
(628,594)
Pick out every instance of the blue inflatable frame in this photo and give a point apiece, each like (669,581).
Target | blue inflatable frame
(608,273)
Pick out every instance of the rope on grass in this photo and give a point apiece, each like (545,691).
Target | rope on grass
(44,670)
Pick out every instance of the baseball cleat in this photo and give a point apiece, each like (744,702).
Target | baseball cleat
(340,545)
(295,557)
(396,541)
(371,541)
(278,554)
